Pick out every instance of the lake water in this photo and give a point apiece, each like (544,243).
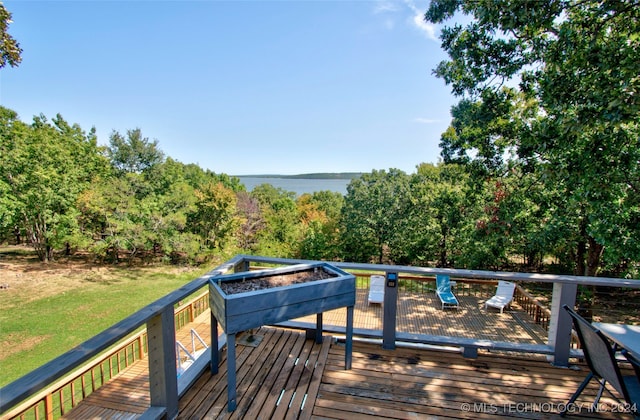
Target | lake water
(298,186)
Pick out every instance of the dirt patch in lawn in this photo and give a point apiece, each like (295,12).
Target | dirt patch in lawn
(24,278)
(16,343)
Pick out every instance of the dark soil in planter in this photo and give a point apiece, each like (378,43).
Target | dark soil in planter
(260,283)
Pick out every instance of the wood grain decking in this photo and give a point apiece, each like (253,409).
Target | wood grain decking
(289,376)
(399,384)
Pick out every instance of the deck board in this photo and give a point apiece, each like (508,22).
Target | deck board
(436,383)
(401,383)
(404,383)
(269,394)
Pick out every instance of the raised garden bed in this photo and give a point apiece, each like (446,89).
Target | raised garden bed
(247,300)
(251,299)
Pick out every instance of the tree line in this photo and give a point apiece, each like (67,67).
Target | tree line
(63,193)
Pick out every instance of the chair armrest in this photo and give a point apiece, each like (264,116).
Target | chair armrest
(633,360)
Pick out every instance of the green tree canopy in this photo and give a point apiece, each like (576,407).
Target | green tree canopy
(133,153)
(556,84)
(281,229)
(320,217)
(374,215)
(10,51)
(45,166)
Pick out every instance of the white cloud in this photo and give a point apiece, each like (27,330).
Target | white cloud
(385,6)
(425,120)
(418,20)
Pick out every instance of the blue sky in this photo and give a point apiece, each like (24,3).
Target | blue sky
(239,87)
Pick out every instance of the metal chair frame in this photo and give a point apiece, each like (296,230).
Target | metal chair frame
(600,357)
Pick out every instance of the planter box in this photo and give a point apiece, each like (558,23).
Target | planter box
(242,311)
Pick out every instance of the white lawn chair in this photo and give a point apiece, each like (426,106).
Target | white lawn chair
(376,289)
(503,296)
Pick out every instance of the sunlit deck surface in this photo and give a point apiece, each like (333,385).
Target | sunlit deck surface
(289,376)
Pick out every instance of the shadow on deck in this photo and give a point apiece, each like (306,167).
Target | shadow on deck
(287,376)
(421,313)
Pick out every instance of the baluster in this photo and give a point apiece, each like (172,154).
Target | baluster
(61,400)
(73,394)
(48,406)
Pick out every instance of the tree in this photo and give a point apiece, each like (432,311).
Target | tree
(214,218)
(134,153)
(374,216)
(251,221)
(573,67)
(281,233)
(12,131)
(320,217)
(108,217)
(10,51)
(45,166)
(437,215)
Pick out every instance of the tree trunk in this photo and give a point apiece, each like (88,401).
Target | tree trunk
(581,249)
(443,252)
(36,236)
(16,232)
(443,243)
(593,265)
(593,257)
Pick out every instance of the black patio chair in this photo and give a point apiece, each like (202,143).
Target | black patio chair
(601,360)
(635,363)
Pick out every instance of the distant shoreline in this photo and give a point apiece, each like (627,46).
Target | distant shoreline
(327,175)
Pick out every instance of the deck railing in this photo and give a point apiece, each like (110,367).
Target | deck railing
(161,323)
(58,399)
(189,311)
(532,306)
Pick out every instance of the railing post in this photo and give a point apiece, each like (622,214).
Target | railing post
(390,310)
(163,376)
(560,323)
(140,347)
(242,266)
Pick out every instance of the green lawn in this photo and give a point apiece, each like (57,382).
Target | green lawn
(34,331)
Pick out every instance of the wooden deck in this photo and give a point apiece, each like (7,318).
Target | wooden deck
(420,313)
(288,376)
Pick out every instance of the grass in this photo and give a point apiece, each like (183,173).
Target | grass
(47,310)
